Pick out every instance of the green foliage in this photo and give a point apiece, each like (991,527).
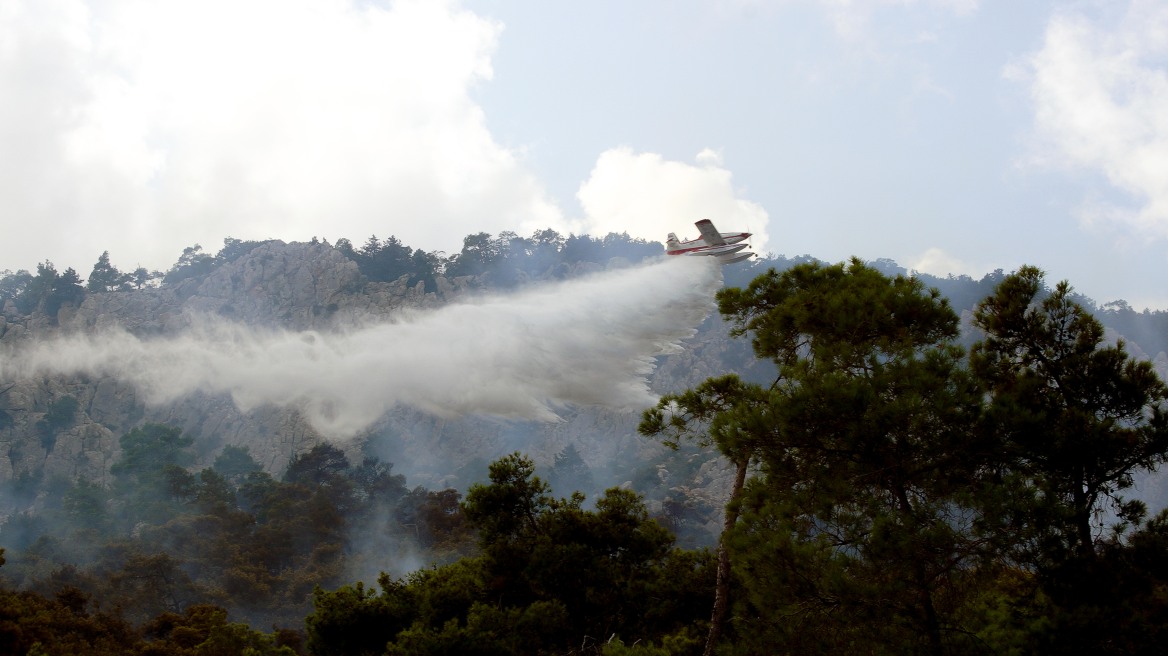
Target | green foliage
(164,537)
(323,464)
(390,260)
(194,263)
(142,277)
(842,318)
(356,620)
(507,508)
(1007,612)
(1074,418)
(233,249)
(381,261)
(61,414)
(479,253)
(869,451)
(85,506)
(203,630)
(235,462)
(105,277)
(905,502)
(437,521)
(1148,329)
(857,522)
(374,481)
(60,626)
(570,473)
(148,449)
(552,578)
(148,469)
(681,643)
(152,584)
(69,623)
(47,291)
(191,264)
(509,259)
(584,248)
(488,631)
(13,285)
(901,499)
(723,411)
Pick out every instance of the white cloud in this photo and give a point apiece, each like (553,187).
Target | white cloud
(1100,94)
(147,126)
(144,126)
(937,262)
(648,196)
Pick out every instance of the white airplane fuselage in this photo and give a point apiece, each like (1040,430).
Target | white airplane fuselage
(700,247)
(722,245)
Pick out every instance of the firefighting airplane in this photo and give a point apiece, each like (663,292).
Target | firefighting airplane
(724,246)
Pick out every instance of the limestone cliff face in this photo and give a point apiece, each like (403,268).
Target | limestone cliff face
(315,287)
(295,287)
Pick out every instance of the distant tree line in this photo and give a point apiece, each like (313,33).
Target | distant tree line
(162,541)
(550,577)
(504,261)
(45,292)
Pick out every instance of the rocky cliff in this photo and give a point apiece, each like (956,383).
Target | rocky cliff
(66,427)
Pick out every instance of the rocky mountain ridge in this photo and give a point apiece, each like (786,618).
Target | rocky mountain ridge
(294,287)
(316,287)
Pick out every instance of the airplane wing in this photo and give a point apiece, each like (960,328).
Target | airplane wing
(710,233)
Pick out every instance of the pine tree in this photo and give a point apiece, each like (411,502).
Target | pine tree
(1075,418)
(853,526)
(105,277)
(570,473)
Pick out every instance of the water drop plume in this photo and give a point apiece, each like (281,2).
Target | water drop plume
(587,341)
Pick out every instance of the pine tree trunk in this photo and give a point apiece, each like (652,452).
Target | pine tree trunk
(722,587)
(1086,539)
(924,588)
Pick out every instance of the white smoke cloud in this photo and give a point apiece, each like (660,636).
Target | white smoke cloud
(584,342)
(649,196)
(145,126)
(938,262)
(1100,94)
(142,127)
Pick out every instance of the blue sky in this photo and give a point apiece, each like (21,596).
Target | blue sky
(950,135)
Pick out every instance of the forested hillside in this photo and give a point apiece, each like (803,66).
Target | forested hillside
(847,459)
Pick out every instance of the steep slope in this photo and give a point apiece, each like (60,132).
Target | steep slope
(67,426)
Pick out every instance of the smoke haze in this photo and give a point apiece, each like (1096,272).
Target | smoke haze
(589,341)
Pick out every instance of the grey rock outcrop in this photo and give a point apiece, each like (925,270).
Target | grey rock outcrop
(296,287)
(290,286)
